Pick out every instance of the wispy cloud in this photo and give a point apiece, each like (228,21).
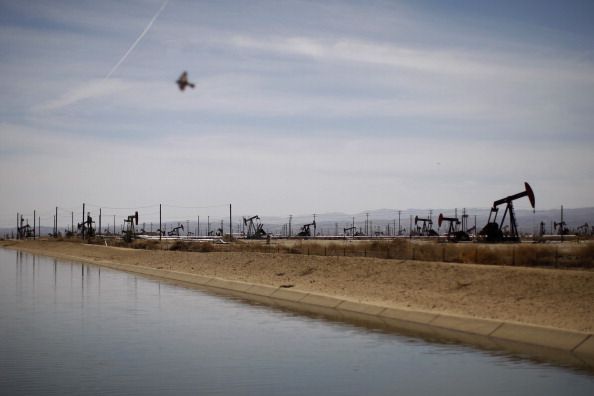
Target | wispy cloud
(468,64)
(91,90)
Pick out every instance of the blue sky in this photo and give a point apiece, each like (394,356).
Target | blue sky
(300,106)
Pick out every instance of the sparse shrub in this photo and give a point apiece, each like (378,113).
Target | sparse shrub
(205,247)
(147,244)
(179,246)
(485,255)
(586,254)
(294,250)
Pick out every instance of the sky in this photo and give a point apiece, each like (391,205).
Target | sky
(299,106)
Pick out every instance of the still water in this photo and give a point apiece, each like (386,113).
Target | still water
(71,329)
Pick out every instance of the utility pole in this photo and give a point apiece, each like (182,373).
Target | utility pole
(314,215)
(367,224)
(230,224)
(99,221)
(160,226)
(562,224)
(72,222)
(34,224)
(208,225)
(290,219)
(83,220)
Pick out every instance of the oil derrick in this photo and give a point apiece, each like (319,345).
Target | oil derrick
(426,229)
(493,232)
(175,230)
(454,233)
(87,226)
(305,229)
(129,229)
(254,230)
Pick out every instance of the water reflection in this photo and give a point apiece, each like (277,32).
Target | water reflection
(91,330)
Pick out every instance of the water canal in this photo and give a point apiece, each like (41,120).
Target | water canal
(70,328)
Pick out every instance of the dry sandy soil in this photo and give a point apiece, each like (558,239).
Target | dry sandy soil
(549,297)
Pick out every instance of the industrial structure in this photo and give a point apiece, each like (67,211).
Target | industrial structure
(493,231)
(305,230)
(254,230)
(454,233)
(426,229)
(129,231)
(86,227)
(501,225)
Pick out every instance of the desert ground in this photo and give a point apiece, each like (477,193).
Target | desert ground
(559,298)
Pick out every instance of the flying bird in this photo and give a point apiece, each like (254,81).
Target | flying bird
(183,82)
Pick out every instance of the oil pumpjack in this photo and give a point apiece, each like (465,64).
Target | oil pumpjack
(255,231)
(175,230)
(130,230)
(24,231)
(86,227)
(493,232)
(427,228)
(584,229)
(454,234)
(305,231)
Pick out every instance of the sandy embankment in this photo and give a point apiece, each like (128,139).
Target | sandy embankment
(546,297)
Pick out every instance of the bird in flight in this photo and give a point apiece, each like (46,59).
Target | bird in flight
(183,82)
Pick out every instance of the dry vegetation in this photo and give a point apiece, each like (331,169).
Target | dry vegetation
(558,255)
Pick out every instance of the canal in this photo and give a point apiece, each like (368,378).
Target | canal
(70,328)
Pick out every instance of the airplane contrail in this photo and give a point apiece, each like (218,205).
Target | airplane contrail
(113,69)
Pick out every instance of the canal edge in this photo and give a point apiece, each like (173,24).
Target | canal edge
(557,344)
